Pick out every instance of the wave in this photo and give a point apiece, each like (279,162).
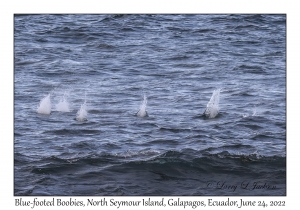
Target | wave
(250,69)
(148,172)
(175,130)
(205,161)
(27,62)
(72,132)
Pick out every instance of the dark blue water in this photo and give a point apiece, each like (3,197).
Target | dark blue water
(176,61)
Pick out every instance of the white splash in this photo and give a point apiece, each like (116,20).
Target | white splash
(82,113)
(45,105)
(254,112)
(142,111)
(63,105)
(212,107)
(245,115)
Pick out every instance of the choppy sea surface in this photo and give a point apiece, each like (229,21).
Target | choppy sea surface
(80,80)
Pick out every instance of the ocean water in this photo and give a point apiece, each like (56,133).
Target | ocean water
(115,105)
